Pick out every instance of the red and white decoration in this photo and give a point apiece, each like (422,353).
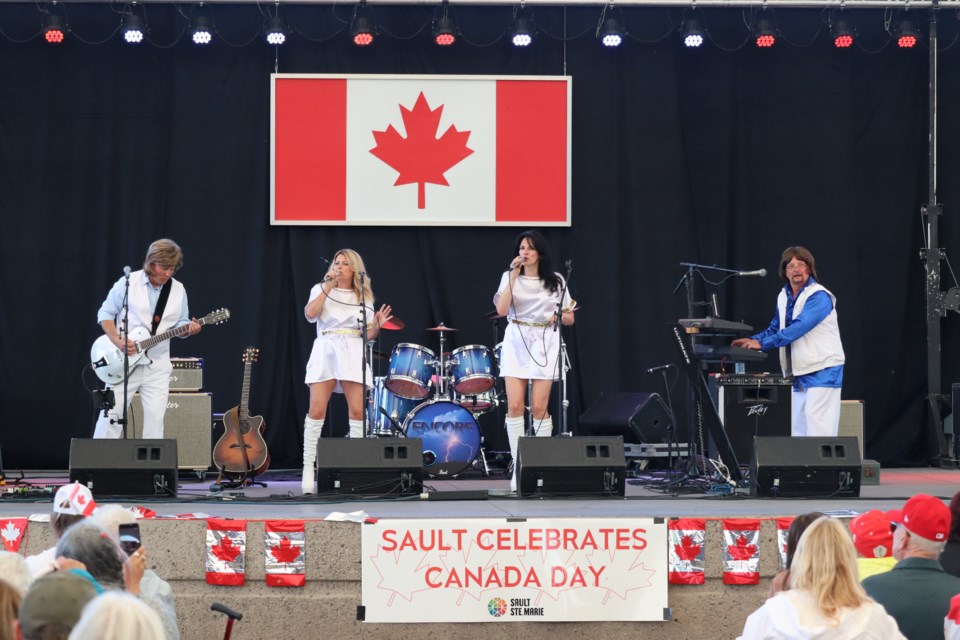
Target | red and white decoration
(11,531)
(951,624)
(420,150)
(286,560)
(741,551)
(783,525)
(686,544)
(143,513)
(499,570)
(226,551)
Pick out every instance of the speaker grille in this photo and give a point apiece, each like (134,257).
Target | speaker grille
(189,421)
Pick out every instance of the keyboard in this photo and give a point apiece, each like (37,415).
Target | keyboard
(715,324)
(722,352)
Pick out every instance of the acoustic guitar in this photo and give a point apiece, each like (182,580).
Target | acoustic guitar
(241,450)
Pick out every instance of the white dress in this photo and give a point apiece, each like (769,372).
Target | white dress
(531,352)
(338,356)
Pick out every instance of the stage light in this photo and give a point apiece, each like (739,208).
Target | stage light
(521,32)
(133,30)
(764,34)
(842,33)
(907,34)
(445,31)
(692,33)
(276,31)
(53,29)
(611,33)
(201,32)
(362,31)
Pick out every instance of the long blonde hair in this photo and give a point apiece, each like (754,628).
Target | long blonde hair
(825,566)
(356,264)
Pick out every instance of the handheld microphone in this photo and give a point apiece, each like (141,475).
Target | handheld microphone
(662,367)
(328,278)
(126,271)
(759,272)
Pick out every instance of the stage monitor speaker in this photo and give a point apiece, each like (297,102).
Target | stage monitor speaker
(189,421)
(754,410)
(823,467)
(639,418)
(576,466)
(134,468)
(370,466)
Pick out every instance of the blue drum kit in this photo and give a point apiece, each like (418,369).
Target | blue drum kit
(436,398)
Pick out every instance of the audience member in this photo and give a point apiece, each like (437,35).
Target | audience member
(917,592)
(9,609)
(118,616)
(950,558)
(52,606)
(71,504)
(781,581)
(874,542)
(951,625)
(825,599)
(14,569)
(105,560)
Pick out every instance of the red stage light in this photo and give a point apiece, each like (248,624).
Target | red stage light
(363,39)
(907,42)
(842,42)
(445,39)
(766,40)
(54,36)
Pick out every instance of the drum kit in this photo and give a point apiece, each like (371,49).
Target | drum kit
(435,398)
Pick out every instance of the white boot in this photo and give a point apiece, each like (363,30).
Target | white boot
(543,428)
(356,428)
(514,431)
(311,434)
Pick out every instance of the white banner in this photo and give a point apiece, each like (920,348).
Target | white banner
(497,570)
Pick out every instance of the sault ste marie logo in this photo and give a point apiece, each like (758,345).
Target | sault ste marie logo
(497,607)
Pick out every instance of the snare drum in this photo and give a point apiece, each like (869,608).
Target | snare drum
(384,403)
(410,369)
(479,403)
(450,435)
(472,369)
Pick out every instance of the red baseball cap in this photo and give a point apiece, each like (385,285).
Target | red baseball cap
(872,535)
(924,516)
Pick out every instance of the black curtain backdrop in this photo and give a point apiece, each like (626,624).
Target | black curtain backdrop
(723,155)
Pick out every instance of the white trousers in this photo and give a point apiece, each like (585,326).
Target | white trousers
(816,412)
(153,383)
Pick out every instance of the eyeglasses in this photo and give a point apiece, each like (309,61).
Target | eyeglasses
(796,267)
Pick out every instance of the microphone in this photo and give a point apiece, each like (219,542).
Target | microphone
(662,367)
(328,278)
(759,272)
(126,271)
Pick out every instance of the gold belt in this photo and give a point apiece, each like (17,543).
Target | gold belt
(538,325)
(342,332)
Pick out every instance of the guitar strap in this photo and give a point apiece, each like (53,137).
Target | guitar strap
(161,305)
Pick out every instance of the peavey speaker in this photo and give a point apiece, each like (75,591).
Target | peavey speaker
(189,421)
(820,467)
(749,410)
(577,466)
(640,418)
(135,468)
(370,466)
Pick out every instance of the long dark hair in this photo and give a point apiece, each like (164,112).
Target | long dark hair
(548,276)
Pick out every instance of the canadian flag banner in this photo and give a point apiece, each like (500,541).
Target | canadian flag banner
(226,551)
(286,549)
(420,150)
(741,551)
(12,530)
(143,513)
(686,544)
(951,624)
(783,525)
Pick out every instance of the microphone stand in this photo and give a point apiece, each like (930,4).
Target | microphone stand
(561,355)
(126,354)
(672,440)
(363,356)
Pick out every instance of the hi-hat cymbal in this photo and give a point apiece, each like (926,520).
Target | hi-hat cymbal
(393,324)
(493,315)
(442,327)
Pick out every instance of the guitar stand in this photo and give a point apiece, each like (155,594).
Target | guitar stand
(220,485)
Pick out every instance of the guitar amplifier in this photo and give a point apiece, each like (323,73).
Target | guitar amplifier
(189,421)
(187,374)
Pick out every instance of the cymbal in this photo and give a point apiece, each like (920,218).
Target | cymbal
(393,324)
(493,315)
(442,327)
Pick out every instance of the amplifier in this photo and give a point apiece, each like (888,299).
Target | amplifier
(752,380)
(189,421)
(764,409)
(187,374)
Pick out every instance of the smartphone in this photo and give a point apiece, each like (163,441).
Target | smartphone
(130,538)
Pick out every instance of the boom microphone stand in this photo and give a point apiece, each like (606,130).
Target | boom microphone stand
(363,356)
(126,354)
(562,354)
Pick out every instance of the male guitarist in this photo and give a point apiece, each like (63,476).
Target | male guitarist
(157,302)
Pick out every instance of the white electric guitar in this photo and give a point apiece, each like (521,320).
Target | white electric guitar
(107,360)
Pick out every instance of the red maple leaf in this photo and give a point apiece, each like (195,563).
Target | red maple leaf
(421,157)
(686,550)
(741,550)
(285,552)
(226,551)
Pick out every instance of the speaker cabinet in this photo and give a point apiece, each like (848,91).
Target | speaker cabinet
(577,466)
(754,410)
(189,421)
(370,466)
(134,468)
(806,467)
(851,421)
(638,418)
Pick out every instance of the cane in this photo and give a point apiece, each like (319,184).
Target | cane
(231,616)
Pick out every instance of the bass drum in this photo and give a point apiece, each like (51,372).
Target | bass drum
(450,435)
